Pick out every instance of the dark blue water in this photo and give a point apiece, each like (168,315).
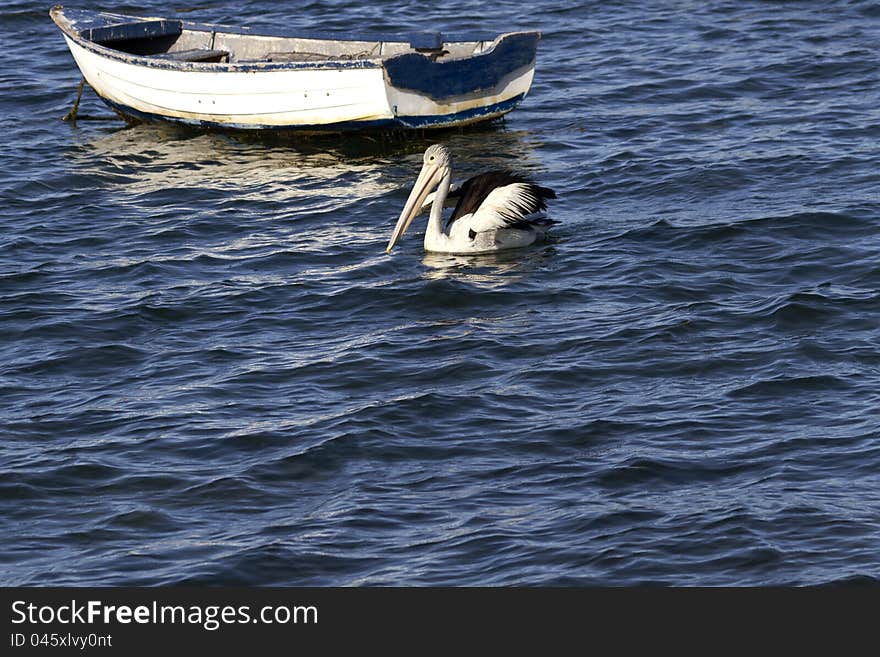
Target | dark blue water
(211,372)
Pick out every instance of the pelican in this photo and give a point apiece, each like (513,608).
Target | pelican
(496,210)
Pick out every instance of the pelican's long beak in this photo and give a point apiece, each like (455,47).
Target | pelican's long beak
(429,177)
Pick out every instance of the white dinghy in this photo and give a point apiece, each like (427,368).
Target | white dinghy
(213,76)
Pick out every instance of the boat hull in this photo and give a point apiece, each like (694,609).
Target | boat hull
(329,96)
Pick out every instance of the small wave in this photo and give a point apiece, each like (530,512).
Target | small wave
(800,226)
(790,386)
(665,472)
(85,361)
(149,520)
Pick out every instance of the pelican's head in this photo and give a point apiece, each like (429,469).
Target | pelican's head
(435,165)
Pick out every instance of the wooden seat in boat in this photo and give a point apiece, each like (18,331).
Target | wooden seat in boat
(194,55)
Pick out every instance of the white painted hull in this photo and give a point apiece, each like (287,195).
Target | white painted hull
(251,99)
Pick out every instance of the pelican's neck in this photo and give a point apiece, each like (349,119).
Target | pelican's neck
(435,221)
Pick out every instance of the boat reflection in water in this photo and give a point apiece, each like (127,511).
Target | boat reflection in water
(152,158)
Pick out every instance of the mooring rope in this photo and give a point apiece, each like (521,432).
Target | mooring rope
(71,115)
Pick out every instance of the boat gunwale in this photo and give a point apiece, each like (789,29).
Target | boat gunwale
(65,25)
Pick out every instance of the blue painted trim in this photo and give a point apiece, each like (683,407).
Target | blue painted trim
(459,77)
(168,63)
(399,122)
(468,116)
(132,30)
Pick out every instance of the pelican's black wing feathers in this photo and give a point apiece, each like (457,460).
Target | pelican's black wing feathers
(473,193)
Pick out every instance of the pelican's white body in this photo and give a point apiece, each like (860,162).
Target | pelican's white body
(487,227)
